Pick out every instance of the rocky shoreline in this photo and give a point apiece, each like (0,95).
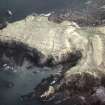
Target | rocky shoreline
(13,55)
(79,89)
(80,52)
(71,40)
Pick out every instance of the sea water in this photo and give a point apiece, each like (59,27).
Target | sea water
(19,82)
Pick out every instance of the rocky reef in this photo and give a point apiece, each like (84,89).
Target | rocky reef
(79,50)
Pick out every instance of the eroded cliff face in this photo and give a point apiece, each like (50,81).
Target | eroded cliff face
(63,43)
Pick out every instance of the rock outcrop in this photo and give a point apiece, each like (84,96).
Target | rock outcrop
(64,44)
(59,40)
(44,36)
